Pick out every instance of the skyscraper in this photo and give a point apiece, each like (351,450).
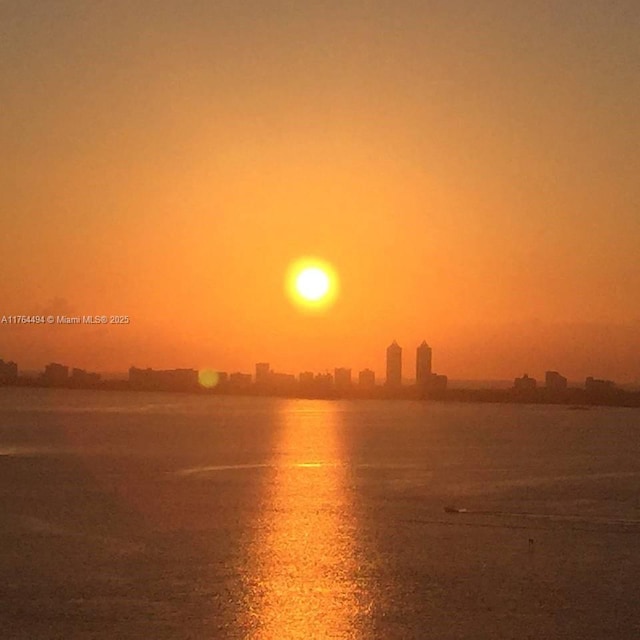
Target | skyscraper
(342,377)
(394,365)
(263,373)
(423,364)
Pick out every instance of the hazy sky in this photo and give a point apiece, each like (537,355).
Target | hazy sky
(471,170)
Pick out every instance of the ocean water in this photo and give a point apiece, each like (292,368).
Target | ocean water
(142,515)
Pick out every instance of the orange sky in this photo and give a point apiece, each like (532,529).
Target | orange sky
(469,168)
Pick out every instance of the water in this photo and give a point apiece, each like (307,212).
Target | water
(133,515)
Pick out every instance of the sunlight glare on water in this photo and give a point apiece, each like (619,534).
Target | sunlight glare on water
(306,584)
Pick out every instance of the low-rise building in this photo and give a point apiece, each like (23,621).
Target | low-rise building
(306,378)
(595,386)
(239,380)
(55,374)
(553,381)
(82,378)
(367,379)
(8,371)
(526,383)
(169,379)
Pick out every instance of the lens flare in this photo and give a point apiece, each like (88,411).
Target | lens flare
(208,378)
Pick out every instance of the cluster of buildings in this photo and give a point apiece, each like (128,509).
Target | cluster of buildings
(339,383)
(54,374)
(59,375)
(556,383)
(266,380)
(342,380)
(553,381)
(180,379)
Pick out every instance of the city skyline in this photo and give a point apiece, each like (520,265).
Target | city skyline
(571,350)
(264,375)
(556,388)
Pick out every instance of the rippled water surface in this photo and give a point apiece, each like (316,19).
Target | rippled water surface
(133,515)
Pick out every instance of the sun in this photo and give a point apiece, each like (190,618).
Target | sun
(312,283)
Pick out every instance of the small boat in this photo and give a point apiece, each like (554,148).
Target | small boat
(454,510)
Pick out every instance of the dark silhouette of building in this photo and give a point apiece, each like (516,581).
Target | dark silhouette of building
(597,387)
(55,374)
(282,382)
(438,382)
(394,365)
(263,373)
(423,365)
(525,383)
(306,378)
(170,379)
(240,380)
(323,382)
(555,382)
(8,371)
(342,378)
(82,378)
(367,379)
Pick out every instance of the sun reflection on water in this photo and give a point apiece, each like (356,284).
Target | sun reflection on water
(305,583)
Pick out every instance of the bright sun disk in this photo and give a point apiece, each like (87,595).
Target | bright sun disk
(312,284)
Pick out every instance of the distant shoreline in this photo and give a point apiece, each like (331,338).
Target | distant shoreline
(575,398)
